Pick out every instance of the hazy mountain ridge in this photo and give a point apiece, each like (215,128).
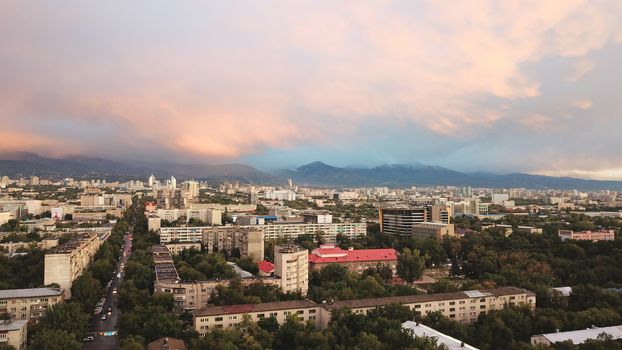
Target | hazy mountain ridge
(315,173)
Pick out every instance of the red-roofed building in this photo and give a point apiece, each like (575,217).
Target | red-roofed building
(266,268)
(355,260)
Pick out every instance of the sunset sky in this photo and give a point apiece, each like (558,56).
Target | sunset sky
(498,86)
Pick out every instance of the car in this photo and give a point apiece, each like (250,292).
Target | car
(89,338)
(114,291)
(104,317)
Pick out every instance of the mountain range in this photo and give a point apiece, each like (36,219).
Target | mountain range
(316,173)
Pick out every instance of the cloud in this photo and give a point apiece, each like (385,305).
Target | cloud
(228,80)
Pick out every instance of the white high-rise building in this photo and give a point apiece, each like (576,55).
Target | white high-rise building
(152,180)
(173,182)
(291,264)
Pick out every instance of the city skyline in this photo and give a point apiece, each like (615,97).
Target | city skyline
(513,87)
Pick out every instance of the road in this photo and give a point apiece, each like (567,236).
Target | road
(103,342)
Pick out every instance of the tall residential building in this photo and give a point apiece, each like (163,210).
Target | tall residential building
(151,181)
(24,304)
(173,183)
(291,264)
(66,262)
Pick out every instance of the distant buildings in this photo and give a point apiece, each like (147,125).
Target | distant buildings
(14,333)
(31,303)
(355,260)
(594,236)
(284,195)
(291,264)
(577,337)
(66,262)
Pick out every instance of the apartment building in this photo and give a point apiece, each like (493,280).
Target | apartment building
(5,216)
(181,234)
(14,333)
(328,232)
(189,295)
(66,262)
(249,240)
(177,248)
(355,260)
(434,230)
(291,264)
(31,303)
(231,315)
(594,236)
(463,307)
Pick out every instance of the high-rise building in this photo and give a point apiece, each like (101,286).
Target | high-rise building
(291,264)
(401,220)
(151,181)
(173,183)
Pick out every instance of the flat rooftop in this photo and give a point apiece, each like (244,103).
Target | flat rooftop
(29,293)
(246,308)
(420,330)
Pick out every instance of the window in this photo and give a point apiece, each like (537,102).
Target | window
(452,303)
(261,315)
(300,312)
(218,319)
(482,306)
(312,311)
(452,309)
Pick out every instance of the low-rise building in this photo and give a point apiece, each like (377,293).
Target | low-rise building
(577,337)
(227,316)
(31,303)
(14,333)
(355,260)
(167,343)
(463,307)
(594,236)
(423,331)
(434,230)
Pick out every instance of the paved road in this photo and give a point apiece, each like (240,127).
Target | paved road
(102,342)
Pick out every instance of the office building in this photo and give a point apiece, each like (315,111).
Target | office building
(577,337)
(31,303)
(14,333)
(401,220)
(355,260)
(434,230)
(66,262)
(214,317)
(291,264)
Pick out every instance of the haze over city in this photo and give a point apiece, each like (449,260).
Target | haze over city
(527,86)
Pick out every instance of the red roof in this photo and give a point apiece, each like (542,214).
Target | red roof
(338,255)
(266,266)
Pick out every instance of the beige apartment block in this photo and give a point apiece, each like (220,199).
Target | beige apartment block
(66,262)
(14,333)
(231,315)
(291,264)
(25,304)
(463,307)
(177,248)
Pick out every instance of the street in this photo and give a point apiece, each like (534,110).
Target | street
(100,327)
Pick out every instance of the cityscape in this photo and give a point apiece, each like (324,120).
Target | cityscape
(311,175)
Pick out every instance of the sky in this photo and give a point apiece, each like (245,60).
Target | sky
(473,85)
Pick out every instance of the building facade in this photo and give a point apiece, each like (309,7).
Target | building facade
(594,236)
(434,230)
(291,264)
(31,303)
(228,316)
(14,333)
(66,262)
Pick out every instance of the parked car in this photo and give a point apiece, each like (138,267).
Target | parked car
(104,317)
(89,338)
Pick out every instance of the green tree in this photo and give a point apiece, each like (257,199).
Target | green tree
(65,317)
(55,339)
(410,265)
